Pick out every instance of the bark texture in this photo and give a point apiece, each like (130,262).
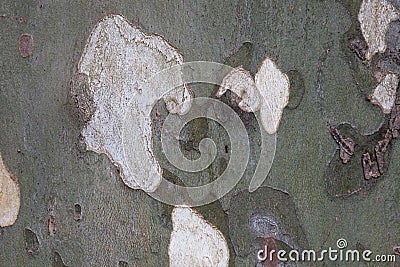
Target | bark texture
(76,211)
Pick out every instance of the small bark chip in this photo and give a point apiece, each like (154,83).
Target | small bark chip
(394,123)
(346,144)
(358,46)
(25,45)
(370,167)
(380,150)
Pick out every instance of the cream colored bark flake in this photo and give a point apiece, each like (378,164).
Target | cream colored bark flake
(195,242)
(273,86)
(9,196)
(269,93)
(240,82)
(119,59)
(384,94)
(374,17)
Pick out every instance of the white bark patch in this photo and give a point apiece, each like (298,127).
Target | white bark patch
(274,89)
(374,17)
(240,82)
(269,93)
(384,94)
(119,59)
(195,242)
(9,196)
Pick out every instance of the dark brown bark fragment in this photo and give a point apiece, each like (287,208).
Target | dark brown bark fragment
(370,167)
(394,122)
(358,46)
(374,168)
(346,144)
(380,150)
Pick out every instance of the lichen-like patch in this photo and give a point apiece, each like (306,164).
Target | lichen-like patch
(266,225)
(375,17)
(118,60)
(9,196)
(264,213)
(384,94)
(195,242)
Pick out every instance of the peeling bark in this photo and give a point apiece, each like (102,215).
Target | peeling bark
(346,145)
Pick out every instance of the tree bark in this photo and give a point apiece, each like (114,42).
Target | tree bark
(76,211)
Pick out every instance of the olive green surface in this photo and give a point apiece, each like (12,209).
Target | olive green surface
(118,226)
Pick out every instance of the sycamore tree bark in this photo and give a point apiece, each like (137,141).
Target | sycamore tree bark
(76,211)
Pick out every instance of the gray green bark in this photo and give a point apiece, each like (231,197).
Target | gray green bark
(40,132)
